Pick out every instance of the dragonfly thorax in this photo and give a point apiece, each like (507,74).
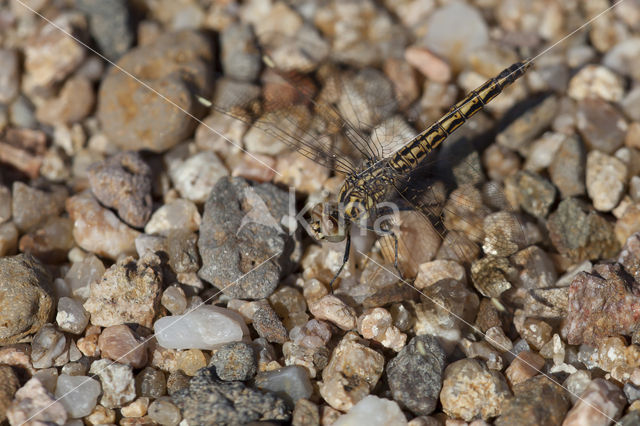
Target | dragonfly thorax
(358,198)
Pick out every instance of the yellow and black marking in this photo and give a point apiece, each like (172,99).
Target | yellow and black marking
(411,155)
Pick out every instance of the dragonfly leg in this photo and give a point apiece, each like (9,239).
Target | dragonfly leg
(386,228)
(347,250)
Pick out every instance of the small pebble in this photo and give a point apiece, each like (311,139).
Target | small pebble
(536,401)
(240,231)
(137,408)
(428,64)
(118,386)
(240,56)
(9,75)
(174,300)
(33,403)
(71,316)
(208,400)
(594,81)
(101,415)
(195,177)
(164,412)
(190,361)
(415,375)
(82,274)
(431,272)
(332,309)
(174,65)
(373,411)
(351,374)
(32,206)
(290,383)
(109,25)
(579,233)
(121,344)
(601,126)
(234,361)
(78,394)
(472,32)
(26,299)
(9,384)
(179,214)
(567,169)
(73,104)
(600,402)
(268,325)
(470,389)
(377,324)
(204,328)
(53,55)
(606,178)
(123,182)
(535,331)
(151,383)
(599,305)
(526,365)
(305,413)
(129,292)
(98,230)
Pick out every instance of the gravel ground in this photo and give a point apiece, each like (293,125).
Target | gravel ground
(152,270)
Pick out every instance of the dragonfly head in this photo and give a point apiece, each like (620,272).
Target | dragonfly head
(327,223)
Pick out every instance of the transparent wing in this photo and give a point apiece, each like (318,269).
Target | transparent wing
(284,112)
(455,212)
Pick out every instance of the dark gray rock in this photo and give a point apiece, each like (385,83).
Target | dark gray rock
(26,300)
(415,375)
(123,182)
(235,361)
(109,25)
(242,244)
(211,401)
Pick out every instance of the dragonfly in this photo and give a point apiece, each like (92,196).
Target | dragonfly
(382,179)
(377,181)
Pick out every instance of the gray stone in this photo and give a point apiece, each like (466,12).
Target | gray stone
(234,361)
(415,375)
(240,231)
(123,182)
(211,401)
(109,24)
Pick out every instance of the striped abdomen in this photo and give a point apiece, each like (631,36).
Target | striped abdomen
(408,157)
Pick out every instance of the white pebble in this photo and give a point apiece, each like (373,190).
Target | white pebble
(373,411)
(203,328)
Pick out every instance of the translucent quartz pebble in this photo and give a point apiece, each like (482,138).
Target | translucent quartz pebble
(373,411)
(78,394)
(291,382)
(203,328)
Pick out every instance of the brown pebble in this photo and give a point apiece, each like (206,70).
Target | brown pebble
(526,365)
(122,345)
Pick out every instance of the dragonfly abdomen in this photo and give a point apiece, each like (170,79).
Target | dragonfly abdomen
(411,155)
